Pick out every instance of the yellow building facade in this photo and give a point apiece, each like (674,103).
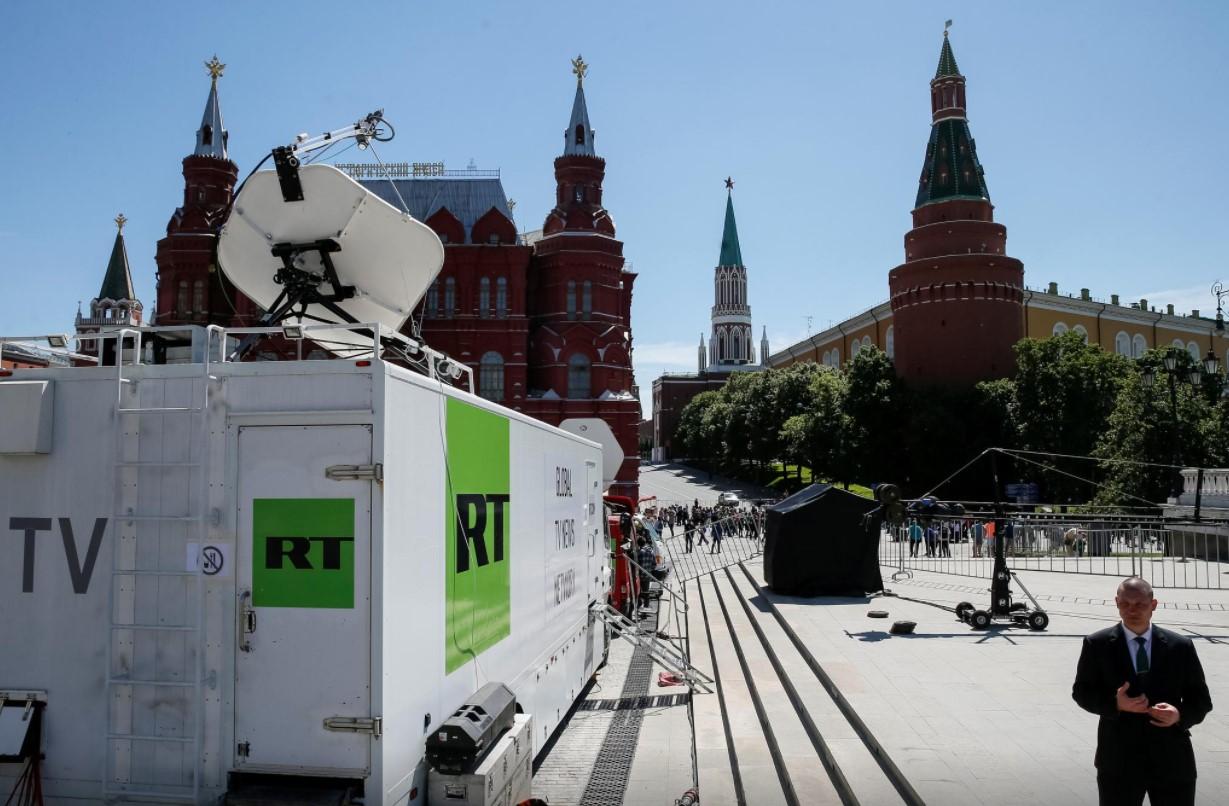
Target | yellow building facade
(1128,329)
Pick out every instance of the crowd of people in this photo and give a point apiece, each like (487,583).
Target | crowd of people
(936,537)
(708,526)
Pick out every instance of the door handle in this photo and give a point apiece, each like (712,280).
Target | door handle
(247,622)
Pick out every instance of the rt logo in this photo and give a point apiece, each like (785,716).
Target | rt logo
(280,550)
(471,516)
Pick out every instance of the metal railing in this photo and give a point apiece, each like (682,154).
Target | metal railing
(212,344)
(1167,554)
(695,552)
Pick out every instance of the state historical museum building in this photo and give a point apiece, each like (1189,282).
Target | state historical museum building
(543,319)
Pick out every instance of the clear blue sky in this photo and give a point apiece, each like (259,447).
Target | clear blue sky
(1102,128)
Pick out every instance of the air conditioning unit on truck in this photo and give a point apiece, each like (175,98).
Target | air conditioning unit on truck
(219,569)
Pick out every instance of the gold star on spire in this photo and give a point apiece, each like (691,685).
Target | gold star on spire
(579,68)
(215,67)
(120,221)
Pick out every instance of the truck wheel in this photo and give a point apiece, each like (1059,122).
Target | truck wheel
(1038,620)
(963,610)
(979,620)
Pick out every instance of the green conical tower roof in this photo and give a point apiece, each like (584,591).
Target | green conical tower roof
(117,285)
(731,254)
(947,61)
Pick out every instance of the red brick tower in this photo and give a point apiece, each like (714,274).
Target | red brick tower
(957,300)
(191,290)
(580,302)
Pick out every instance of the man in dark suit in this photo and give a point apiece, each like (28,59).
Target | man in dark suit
(1147,686)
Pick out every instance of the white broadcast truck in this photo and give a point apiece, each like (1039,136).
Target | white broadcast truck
(221,570)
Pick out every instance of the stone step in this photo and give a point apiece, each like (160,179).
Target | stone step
(810,781)
(760,782)
(866,778)
(713,770)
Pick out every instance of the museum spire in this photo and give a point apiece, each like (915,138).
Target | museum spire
(578,138)
(211,136)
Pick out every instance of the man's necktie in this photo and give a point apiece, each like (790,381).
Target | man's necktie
(1141,656)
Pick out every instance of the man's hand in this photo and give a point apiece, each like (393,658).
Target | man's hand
(1135,705)
(1164,715)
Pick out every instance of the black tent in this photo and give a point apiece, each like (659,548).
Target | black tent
(819,541)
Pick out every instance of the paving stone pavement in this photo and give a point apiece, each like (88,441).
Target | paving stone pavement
(660,769)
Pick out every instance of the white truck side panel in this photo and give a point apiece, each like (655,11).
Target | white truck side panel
(57,607)
(52,633)
(543,659)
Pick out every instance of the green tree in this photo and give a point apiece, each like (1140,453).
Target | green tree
(1143,428)
(873,407)
(689,437)
(817,437)
(1064,393)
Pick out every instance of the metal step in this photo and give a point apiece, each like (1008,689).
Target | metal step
(663,653)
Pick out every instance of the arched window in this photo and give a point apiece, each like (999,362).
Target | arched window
(1193,349)
(484,297)
(450,297)
(571,299)
(580,134)
(206,135)
(736,346)
(1179,344)
(578,377)
(854,349)
(181,299)
(1082,331)
(1122,344)
(866,342)
(722,353)
(491,376)
(1059,329)
(501,297)
(586,299)
(1138,346)
(891,342)
(198,296)
(433,300)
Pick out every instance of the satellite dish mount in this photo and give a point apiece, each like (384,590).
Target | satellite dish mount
(301,287)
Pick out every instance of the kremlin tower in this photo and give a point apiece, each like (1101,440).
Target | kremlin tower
(730,345)
(957,300)
(116,305)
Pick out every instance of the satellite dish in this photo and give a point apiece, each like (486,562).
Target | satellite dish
(338,254)
(598,430)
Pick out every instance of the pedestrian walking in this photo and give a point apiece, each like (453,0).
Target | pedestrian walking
(718,533)
(915,538)
(647,561)
(1148,688)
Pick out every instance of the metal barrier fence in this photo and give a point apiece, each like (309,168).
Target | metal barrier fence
(695,552)
(1169,555)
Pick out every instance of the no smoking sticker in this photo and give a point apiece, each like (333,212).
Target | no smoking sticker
(212,559)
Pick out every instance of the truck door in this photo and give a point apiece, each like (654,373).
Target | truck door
(303,665)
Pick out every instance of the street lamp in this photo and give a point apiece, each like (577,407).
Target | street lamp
(1169,361)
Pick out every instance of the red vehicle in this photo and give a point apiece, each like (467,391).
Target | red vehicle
(625,586)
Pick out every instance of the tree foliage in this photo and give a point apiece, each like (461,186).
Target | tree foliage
(1066,399)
